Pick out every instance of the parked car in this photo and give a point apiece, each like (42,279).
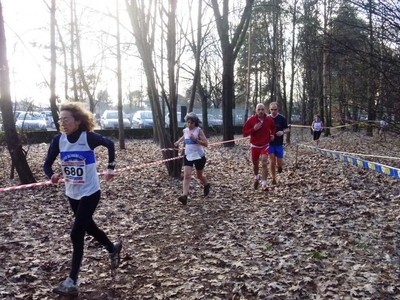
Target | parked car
(142,119)
(178,116)
(31,121)
(212,121)
(48,115)
(296,118)
(16,114)
(109,120)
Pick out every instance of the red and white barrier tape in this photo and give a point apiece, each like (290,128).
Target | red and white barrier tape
(209,145)
(30,185)
(25,186)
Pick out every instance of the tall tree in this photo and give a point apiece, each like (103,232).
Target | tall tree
(311,60)
(371,89)
(293,59)
(119,79)
(53,59)
(142,16)
(72,50)
(325,51)
(81,71)
(197,50)
(12,139)
(230,48)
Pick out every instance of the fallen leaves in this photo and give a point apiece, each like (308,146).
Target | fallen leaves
(327,230)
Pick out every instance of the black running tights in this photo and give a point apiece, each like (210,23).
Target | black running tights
(83,211)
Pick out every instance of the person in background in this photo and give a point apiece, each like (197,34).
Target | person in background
(195,140)
(275,150)
(317,126)
(76,146)
(382,129)
(261,129)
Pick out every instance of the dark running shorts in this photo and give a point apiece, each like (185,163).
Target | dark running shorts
(198,163)
(317,134)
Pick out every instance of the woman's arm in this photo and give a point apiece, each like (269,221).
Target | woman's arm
(95,140)
(52,154)
(202,139)
(179,141)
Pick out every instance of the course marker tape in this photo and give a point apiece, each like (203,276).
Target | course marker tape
(333,127)
(209,145)
(31,185)
(25,186)
(380,168)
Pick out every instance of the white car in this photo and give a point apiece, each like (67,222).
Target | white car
(179,117)
(31,121)
(48,115)
(212,121)
(109,120)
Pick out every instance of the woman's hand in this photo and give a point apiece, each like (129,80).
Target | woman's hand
(109,174)
(55,178)
(193,138)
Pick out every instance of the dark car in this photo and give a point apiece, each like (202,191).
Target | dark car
(142,119)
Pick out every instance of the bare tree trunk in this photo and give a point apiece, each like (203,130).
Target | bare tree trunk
(325,71)
(230,51)
(121,128)
(143,31)
(292,67)
(248,85)
(198,53)
(65,65)
(371,98)
(73,71)
(171,56)
(85,85)
(53,59)
(275,52)
(13,142)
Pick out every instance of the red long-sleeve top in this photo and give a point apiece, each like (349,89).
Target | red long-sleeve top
(261,136)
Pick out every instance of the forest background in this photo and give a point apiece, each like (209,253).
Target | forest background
(339,59)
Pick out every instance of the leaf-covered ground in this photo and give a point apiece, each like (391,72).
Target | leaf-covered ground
(328,230)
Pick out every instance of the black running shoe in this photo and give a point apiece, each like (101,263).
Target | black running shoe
(279,169)
(206,189)
(115,256)
(183,199)
(256,183)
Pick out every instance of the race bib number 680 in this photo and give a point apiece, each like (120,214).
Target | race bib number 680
(74,171)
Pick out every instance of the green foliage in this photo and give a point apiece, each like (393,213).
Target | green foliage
(315,254)
(268,247)
(2,138)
